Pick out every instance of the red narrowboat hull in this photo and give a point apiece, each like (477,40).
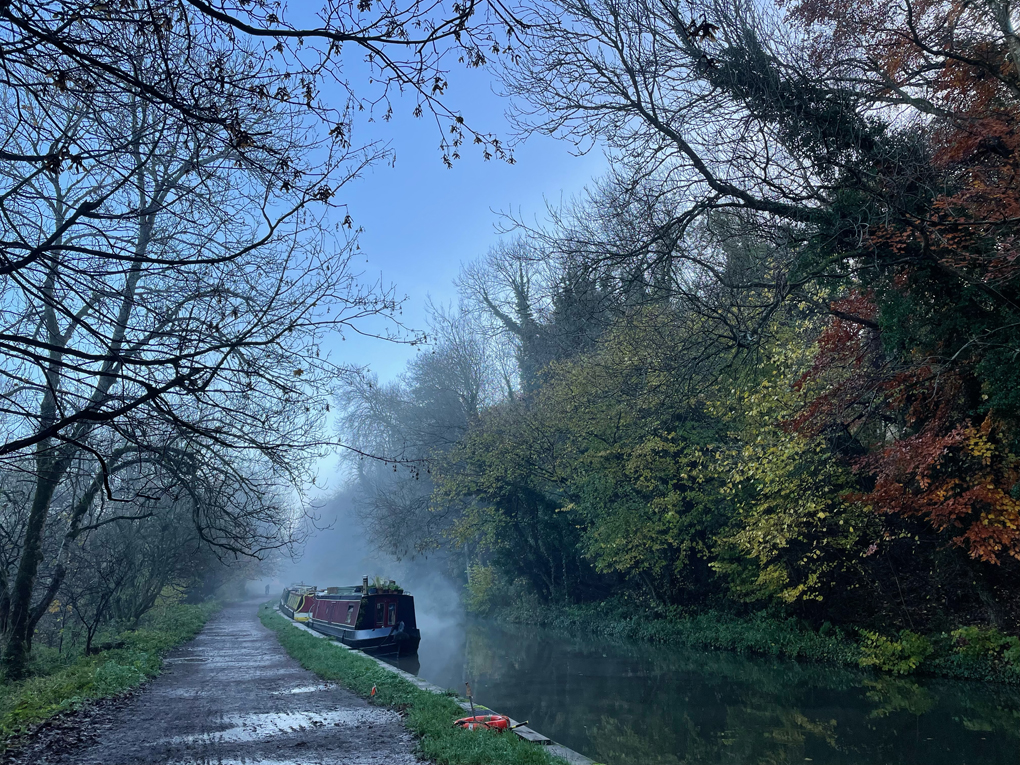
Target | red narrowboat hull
(379,622)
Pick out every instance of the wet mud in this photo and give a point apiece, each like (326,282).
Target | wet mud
(230,696)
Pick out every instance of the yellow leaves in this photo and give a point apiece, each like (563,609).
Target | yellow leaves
(792,521)
(979,441)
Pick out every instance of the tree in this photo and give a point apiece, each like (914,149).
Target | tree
(796,533)
(729,112)
(87,50)
(168,315)
(511,288)
(403,430)
(598,475)
(540,303)
(925,439)
(505,476)
(874,148)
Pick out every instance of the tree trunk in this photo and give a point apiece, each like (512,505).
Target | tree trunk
(73,529)
(5,602)
(17,640)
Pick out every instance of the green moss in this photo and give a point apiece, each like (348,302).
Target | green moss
(428,715)
(58,685)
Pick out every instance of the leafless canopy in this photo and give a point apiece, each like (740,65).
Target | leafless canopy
(173,255)
(721,115)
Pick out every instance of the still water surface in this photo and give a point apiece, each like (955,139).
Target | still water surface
(639,704)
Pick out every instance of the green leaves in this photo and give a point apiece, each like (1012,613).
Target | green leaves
(794,533)
(900,657)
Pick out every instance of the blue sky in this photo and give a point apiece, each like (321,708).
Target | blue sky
(422,221)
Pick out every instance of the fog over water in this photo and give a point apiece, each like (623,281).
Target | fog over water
(339,552)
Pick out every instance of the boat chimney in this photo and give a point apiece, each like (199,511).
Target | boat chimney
(364,585)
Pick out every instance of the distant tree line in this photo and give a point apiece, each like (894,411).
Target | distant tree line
(770,361)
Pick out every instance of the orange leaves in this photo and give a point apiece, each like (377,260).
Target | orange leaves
(929,394)
(923,453)
(960,481)
(847,353)
(951,54)
(849,332)
(973,230)
(952,61)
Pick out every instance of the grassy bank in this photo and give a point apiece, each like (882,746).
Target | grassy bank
(428,715)
(972,653)
(61,683)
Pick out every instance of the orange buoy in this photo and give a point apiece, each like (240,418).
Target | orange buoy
(492,722)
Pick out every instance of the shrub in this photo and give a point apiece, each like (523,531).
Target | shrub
(900,657)
(986,643)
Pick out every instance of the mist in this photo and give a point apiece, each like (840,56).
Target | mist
(339,551)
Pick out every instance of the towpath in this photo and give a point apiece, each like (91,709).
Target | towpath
(233,695)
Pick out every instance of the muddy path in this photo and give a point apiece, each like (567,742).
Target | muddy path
(232,695)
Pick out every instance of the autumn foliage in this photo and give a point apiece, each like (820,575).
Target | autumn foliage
(919,359)
(959,481)
(799,384)
(931,449)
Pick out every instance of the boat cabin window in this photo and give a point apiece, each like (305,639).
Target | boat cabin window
(350,613)
(385,613)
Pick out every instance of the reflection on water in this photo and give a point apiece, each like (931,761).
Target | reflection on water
(637,704)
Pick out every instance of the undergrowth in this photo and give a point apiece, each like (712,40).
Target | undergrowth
(755,634)
(976,653)
(58,684)
(429,716)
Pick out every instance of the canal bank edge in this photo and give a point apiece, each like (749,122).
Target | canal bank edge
(956,655)
(525,733)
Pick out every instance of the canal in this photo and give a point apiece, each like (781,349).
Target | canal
(639,704)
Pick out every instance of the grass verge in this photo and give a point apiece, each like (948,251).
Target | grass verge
(68,685)
(429,716)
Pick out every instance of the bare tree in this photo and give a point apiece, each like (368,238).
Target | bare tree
(88,48)
(416,421)
(718,108)
(167,316)
(510,291)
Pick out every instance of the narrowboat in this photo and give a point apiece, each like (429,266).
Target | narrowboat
(377,619)
(297,601)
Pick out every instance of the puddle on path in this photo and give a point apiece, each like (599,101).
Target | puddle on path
(260,727)
(305,689)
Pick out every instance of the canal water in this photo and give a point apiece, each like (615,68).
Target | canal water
(639,704)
